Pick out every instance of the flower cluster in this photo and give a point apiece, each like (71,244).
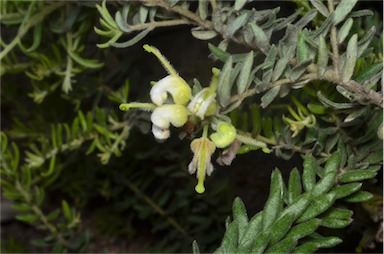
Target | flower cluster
(173,104)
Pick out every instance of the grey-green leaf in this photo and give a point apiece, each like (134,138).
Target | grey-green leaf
(351,59)
(224,86)
(238,4)
(195,247)
(343,9)
(344,30)
(244,79)
(268,97)
(261,38)
(279,68)
(320,7)
(322,58)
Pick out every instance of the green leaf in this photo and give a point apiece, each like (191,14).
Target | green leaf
(318,206)
(322,58)
(251,232)
(219,53)
(327,242)
(21,207)
(303,229)
(29,218)
(284,246)
(281,227)
(356,175)
(325,101)
(318,4)
(224,86)
(273,205)
(268,97)
(195,247)
(369,72)
(307,247)
(316,108)
(324,185)
(342,10)
(309,173)
(294,187)
(335,223)
(244,79)
(230,239)
(302,48)
(261,242)
(92,64)
(337,213)
(346,190)
(365,41)
(358,197)
(66,210)
(298,206)
(53,215)
(351,59)
(344,30)
(240,216)
(132,41)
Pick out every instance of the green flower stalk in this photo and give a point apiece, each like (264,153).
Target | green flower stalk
(203,149)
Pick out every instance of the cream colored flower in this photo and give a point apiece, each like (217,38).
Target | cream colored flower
(163,116)
(203,104)
(203,149)
(173,85)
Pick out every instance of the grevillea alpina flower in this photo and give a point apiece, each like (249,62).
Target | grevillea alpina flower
(163,116)
(202,149)
(173,85)
(203,104)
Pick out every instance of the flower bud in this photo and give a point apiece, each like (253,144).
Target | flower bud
(224,135)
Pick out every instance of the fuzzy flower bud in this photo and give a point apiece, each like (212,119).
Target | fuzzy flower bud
(224,135)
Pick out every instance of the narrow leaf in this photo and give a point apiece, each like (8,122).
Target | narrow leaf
(322,57)
(351,59)
(346,190)
(356,175)
(342,10)
(358,197)
(344,30)
(319,206)
(294,187)
(320,7)
(224,86)
(268,97)
(244,78)
(309,173)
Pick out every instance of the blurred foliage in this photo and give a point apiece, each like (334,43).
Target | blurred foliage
(80,170)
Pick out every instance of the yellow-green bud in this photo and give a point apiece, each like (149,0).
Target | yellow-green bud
(224,135)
